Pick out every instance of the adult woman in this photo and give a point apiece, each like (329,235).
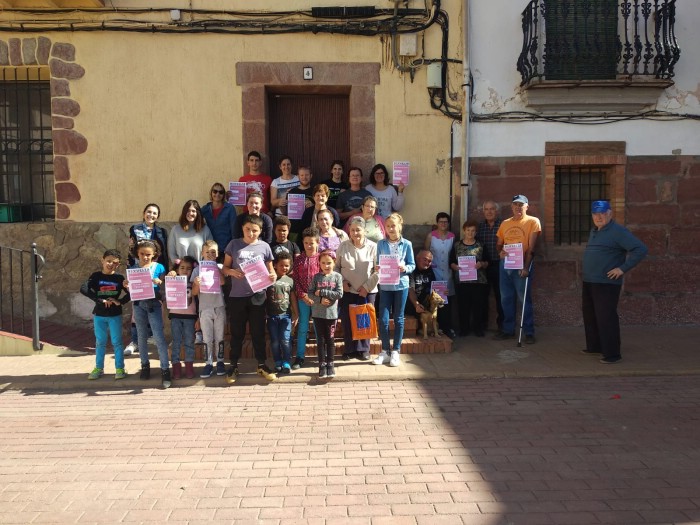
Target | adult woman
(355,260)
(321,193)
(439,242)
(254,205)
(388,198)
(374,224)
(350,201)
(189,234)
(281,186)
(393,296)
(330,236)
(335,183)
(220,217)
(147,230)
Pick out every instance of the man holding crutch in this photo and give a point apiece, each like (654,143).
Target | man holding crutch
(611,252)
(517,238)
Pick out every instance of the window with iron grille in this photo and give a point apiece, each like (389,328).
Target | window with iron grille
(575,187)
(26,147)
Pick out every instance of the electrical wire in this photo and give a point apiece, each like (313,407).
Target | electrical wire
(591,119)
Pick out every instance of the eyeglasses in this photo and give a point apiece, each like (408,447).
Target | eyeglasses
(220,192)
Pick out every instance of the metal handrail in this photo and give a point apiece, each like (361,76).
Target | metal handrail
(13,261)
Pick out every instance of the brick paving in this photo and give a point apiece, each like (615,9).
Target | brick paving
(493,451)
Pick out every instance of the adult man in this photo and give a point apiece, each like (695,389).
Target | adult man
(486,235)
(255,181)
(419,283)
(514,284)
(611,252)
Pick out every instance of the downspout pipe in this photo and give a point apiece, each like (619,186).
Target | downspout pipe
(466,117)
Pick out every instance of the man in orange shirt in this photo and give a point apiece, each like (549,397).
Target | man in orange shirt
(521,229)
(256,181)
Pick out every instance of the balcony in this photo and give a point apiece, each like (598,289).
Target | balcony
(603,55)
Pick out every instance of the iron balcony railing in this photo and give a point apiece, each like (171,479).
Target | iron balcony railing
(598,40)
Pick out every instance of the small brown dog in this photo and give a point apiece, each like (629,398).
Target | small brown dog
(429,317)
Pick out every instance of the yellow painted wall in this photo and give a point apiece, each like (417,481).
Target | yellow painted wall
(162,115)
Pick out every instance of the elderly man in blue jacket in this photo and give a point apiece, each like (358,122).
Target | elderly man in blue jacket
(612,251)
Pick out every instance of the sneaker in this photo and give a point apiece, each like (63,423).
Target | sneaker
(330,370)
(165,378)
(286,368)
(322,371)
(120,373)
(96,373)
(131,348)
(189,370)
(450,333)
(264,371)
(151,341)
(347,357)
(177,370)
(232,374)
(500,336)
(208,371)
(145,371)
(611,360)
(198,339)
(395,360)
(530,340)
(382,358)
(363,356)
(298,363)
(586,351)
(220,368)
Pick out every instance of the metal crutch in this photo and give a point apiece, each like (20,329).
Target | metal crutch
(522,313)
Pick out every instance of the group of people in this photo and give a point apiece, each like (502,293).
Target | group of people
(320,266)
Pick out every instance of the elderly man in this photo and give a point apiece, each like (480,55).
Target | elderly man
(523,230)
(612,251)
(486,235)
(419,283)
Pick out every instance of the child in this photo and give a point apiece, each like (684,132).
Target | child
(105,288)
(149,312)
(182,323)
(392,297)
(245,306)
(325,290)
(304,268)
(281,301)
(471,295)
(281,243)
(212,315)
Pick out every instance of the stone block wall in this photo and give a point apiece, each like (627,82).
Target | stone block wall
(662,207)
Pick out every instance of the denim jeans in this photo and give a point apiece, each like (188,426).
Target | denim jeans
(182,331)
(113,325)
(512,292)
(149,313)
(280,329)
(387,300)
(303,328)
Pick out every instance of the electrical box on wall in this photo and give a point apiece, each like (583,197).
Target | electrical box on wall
(408,44)
(434,75)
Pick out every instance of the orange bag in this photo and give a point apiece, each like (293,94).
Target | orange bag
(363,321)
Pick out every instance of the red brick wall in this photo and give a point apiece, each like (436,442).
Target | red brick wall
(662,207)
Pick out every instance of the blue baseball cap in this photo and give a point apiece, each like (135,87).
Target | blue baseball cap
(600,206)
(520,198)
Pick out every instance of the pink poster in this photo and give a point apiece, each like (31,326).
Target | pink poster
(238,193)
(256,273)
(401,172)
(389,272)
(514,259)
(296,204)
(467,268)
(176,292)
(140,284)
(210,277)
(441,288)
